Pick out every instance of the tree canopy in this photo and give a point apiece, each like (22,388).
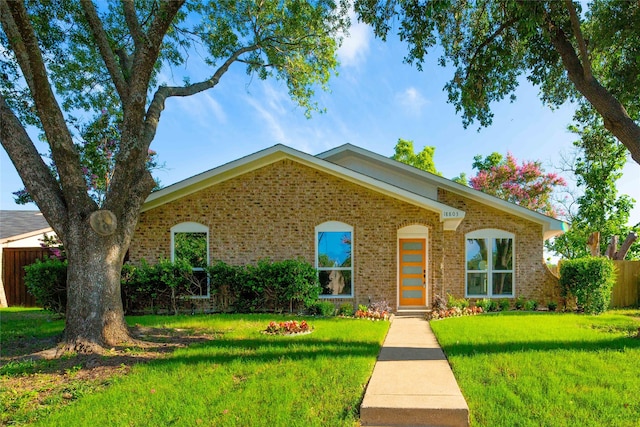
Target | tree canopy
(597,165)
(589,56)
(524,184)
(66,64)
(405,153)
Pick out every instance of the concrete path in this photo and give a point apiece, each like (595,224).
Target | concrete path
(412,383)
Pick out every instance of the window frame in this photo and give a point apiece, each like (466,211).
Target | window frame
(490,235)
(335,227)
(192,227)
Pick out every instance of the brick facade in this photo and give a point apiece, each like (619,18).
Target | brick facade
(272,213)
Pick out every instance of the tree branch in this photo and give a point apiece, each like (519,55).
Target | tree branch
(24,44)
(100,37)
(615,116)
(35,174)
(164,92)
(582,46)
(488,41)
(131,18)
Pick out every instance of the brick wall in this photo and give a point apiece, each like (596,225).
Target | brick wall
(272,213)
(532,277)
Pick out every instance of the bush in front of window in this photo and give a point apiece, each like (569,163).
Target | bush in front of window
(277,286)
(155,287)
(589,280)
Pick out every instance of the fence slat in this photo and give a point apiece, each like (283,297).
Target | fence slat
(13,262)
(625,292)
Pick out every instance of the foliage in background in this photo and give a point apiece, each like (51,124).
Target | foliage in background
(597,165)
(589,280)
(423,160)
(524,184)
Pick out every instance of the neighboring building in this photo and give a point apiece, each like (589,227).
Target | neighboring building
(21,234)
(376,229)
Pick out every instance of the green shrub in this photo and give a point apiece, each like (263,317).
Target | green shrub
(590,281)
(322,308)
(46,280)
(457,303)
(520,301)
(552,305)
(484,304)
(267,286)
(504,304)
(346,310)
(493,305)
(531,305)
(154,286)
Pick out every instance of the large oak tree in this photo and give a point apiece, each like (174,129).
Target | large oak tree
(591,56)
(61,60)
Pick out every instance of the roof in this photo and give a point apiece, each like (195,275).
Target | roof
(16,225)
(362,167)
(551,226)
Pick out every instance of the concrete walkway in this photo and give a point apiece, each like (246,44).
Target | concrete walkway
(412,383)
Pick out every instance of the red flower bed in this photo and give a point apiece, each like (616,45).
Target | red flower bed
(288,327)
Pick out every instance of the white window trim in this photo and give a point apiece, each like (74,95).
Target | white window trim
(336,226)
(191,227)
(490,233)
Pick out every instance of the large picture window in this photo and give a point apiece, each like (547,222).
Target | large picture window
(489,264)
(190,243)
(334,259)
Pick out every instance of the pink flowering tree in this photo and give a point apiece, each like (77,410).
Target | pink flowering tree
(525,184)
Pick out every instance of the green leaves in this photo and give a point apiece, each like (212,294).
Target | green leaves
(423,160)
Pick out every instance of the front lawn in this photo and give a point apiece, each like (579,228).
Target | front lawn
(236,376)
(538,369)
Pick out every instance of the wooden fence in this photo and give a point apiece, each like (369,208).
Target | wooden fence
(626,290)
(13,262)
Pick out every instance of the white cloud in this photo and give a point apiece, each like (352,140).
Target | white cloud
(201,108)
(270,108)
(412,100)
(355,45)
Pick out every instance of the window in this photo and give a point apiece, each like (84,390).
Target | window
(489,264)
(334,261)
(190,242)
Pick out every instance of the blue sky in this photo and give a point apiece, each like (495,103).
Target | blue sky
(374,100)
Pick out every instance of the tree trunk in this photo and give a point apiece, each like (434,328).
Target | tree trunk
(95,316)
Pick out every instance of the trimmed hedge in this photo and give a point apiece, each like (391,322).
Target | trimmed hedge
(168,286)
(589,280)
(268,286)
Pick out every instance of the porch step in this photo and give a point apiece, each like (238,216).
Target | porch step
(412,383)
(418,312)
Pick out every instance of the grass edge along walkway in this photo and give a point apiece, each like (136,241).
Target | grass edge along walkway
(536,369)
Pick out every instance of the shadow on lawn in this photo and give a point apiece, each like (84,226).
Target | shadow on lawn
(612,344)
(222,351)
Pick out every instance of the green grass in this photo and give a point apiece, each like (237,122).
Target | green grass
(538,369)
(19,325)
(239,378)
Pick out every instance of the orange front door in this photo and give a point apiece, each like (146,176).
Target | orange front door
(412,274)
